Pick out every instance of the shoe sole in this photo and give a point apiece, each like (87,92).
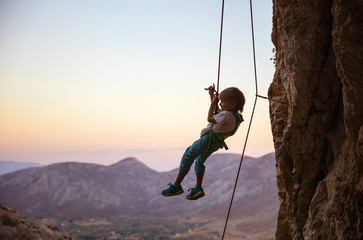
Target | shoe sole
(172,194)
(196,196)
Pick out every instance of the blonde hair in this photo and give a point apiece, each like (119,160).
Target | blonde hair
(234,95)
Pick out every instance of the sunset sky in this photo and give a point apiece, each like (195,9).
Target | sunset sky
(98,81)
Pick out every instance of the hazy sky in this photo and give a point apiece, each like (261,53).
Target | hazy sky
(98,81)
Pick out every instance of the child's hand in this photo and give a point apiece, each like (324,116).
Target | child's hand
(211,90)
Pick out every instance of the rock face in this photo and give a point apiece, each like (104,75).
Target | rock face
(318,134)
(14,225)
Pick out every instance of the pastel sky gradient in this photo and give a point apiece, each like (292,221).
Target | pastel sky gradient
(98,81)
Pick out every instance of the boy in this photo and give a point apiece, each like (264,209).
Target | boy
(222,124)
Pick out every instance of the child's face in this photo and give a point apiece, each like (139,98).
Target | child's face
(227,105)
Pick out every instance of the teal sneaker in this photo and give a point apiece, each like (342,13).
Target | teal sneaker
(195,193)
(172,190)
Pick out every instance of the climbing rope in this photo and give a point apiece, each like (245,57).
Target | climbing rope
(271,99)
(252,114)
(220,47)
(220,54)
(254,104)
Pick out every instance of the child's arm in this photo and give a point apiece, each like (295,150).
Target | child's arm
(213,106)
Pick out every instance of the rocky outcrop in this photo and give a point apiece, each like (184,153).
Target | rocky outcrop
(14,225)
(318,134)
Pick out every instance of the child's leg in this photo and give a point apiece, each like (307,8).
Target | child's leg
(192,152)
(198,191)
(197,148)
(199,180)
(199,162)
(180,177)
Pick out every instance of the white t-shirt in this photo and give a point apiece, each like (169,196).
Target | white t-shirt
(226,122)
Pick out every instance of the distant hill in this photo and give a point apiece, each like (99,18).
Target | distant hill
(11,166)
(130,188)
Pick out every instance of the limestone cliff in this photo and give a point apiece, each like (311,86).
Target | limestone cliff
(318,134)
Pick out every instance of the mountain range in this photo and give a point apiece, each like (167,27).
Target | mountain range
(129,188)
(12,166)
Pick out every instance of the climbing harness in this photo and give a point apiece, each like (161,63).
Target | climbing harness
(222,136)
(254,104)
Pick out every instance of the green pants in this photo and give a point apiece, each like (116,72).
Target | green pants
(197,151)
